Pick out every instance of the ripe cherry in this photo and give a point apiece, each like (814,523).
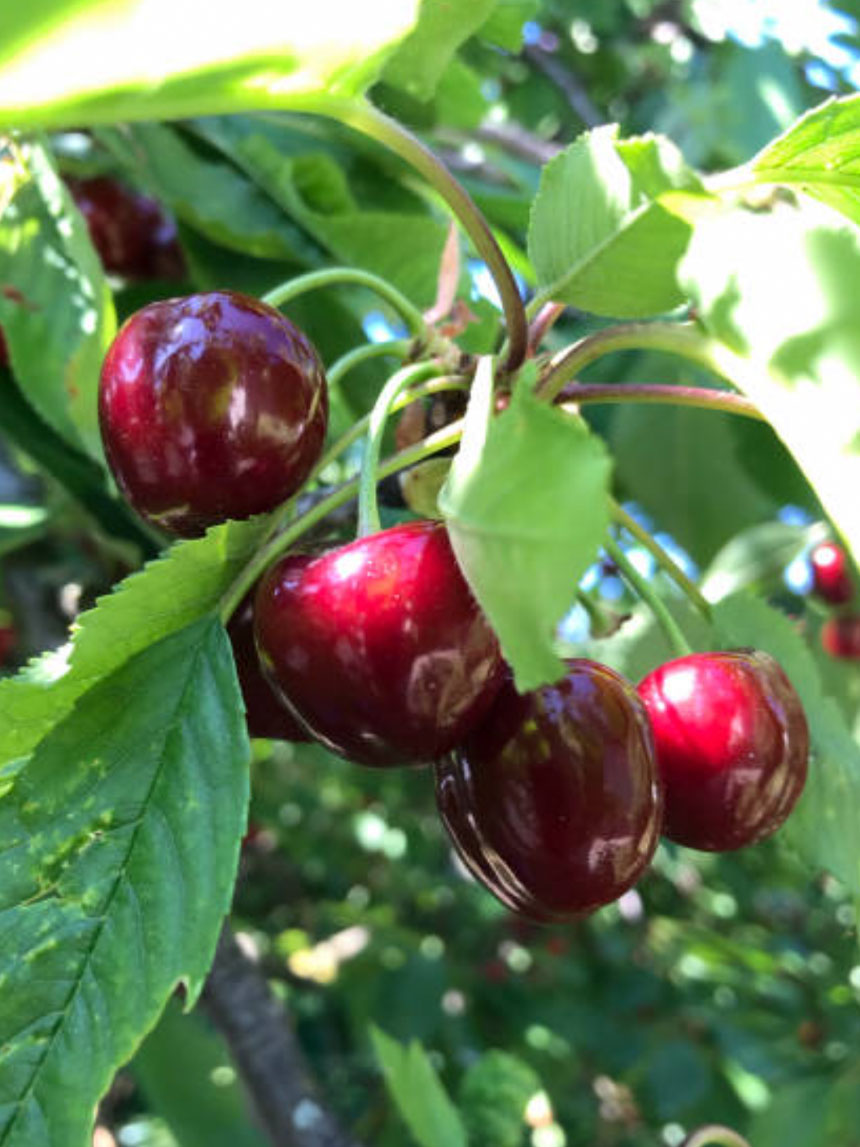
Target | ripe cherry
(265,713)
(840,637)
(831,580)
(211,407)
(131,232)
(4,350)
(379,646)
(553,802)
(732,746)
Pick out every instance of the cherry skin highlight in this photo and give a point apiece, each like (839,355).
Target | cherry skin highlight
(840,637)
(553,802)
(378,646)
(265,714)
(131,232)
(732,746)
(212,406)
(831,580)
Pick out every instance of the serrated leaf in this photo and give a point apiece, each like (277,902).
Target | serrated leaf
(598,237)
(526,504)
(68,64)
(823,826)
(166,595)
(798,349)
(442,27)
(121,840)
(819,154)
(416,1089)
(56,308)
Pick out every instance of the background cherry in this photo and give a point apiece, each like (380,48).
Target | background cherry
(265,713)
(131,232)
(831,579)
(553,802)
(732,746)
(840,637)
(379,645)
(211,407)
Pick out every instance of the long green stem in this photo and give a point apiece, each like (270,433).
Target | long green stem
(372,122)
(368,511)
(448,436)
(702,397)
(340,368)
(663,560)
(715,1135)
(672,631)
(684,339)
(335,276)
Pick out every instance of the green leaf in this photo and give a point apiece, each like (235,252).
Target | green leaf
(121,840)
(206,192)
(598,237)
(56,309)
(680,465)
(181,1067)
(71,62)
(442,27)
(820,154)
(778,290)
(755,559)
(527,510)
(168,594)
(823,826)
(504,26)
(416,1089)
(310,188)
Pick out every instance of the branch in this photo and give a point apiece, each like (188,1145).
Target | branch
(266,1052)
(519,141)
(567,83)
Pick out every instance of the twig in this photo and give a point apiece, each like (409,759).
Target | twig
(518,141)
(266,1052)
(567,83)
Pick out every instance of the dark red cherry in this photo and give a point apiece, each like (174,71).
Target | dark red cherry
(732,746)
(8,641)
(4,350)
(211,407)
(840,637)
(831,580)
(265,713)
(379,646)
(131,232)
(553,801)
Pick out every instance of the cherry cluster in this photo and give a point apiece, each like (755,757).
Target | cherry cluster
(214,407)
(832,583)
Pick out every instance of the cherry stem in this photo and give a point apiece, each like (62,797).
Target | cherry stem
(542,323)
(440,440)
(669,566)
(701,397)
(370,121)
(684,339)
(715,1135)
(368,510)
(643,587)
(395,348)
(354,276)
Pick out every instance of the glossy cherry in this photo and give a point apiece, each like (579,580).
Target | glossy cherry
(265,713)
(840,637)
(379,646)
(553,802)
(131,232)
(831,580)
(732,746)
(211,407)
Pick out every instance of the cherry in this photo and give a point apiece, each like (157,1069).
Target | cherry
(211,407)
(4,350)
(831,580)
(840,637)
(732,746)
(553,802)
(8,641)
(130,231)
(265,713)
(379,646)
